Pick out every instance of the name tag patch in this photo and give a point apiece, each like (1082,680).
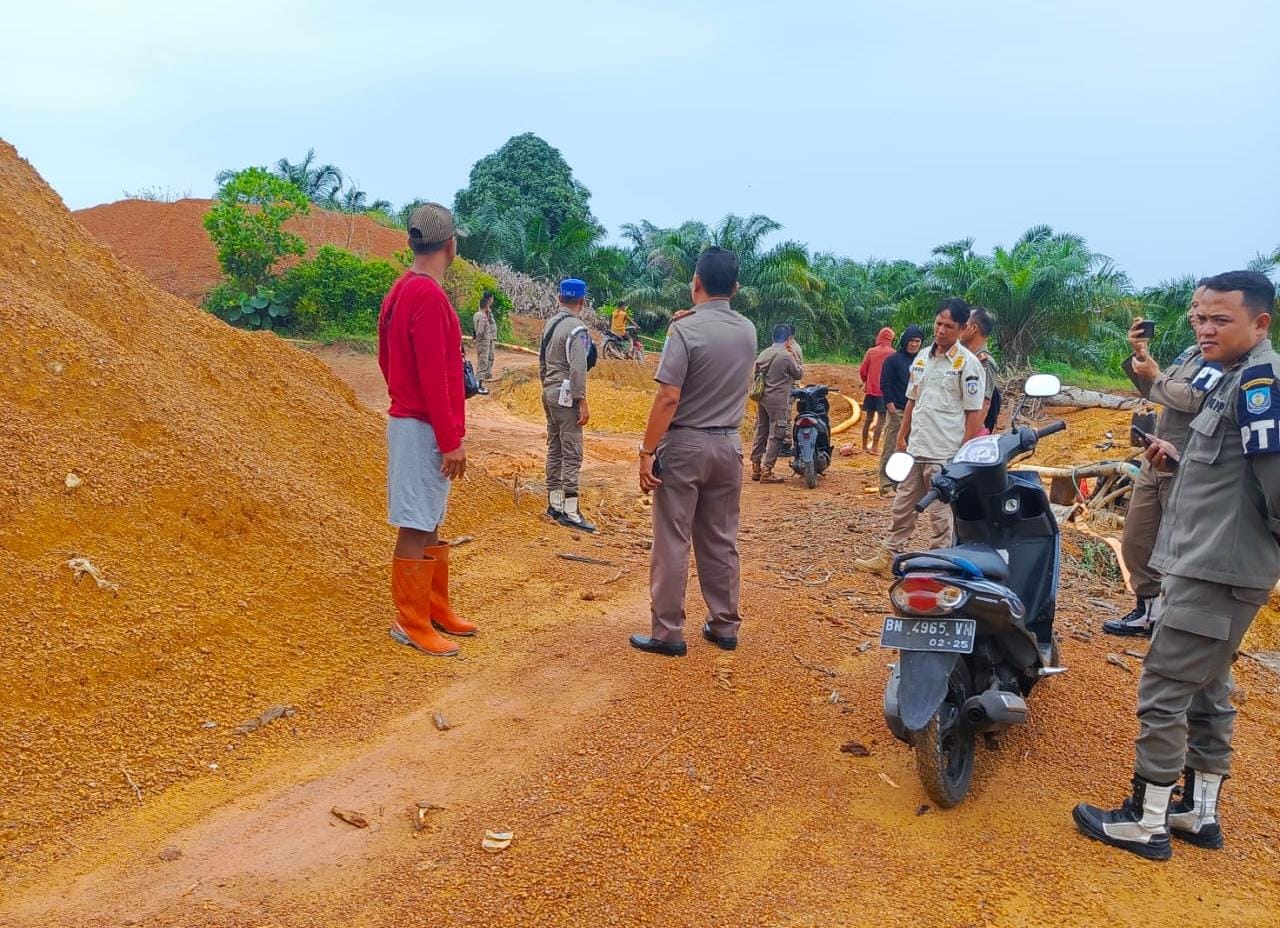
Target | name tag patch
(1257,408)
(1208,377)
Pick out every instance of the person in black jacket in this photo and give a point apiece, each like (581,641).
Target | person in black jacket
(893,382)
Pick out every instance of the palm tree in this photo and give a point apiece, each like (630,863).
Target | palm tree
(320,182)
(1049,291)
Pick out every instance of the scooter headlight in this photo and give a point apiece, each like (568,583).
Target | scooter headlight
(982,450)
(926,596)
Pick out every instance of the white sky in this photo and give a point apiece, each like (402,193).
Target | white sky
(866,128)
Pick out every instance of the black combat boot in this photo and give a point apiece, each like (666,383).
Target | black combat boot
(1141,621)
(1193,814)
(1138,826)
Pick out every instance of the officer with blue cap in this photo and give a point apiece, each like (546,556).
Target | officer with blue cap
(567,354)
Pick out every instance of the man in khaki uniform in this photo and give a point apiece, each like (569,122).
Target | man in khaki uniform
(1179,390)
(974,337)
(486,336)
(944,410)
(563,362)
(691,459)
(1220,556)
(781,368)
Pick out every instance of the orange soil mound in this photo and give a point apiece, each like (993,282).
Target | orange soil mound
(231,487)
(168,243)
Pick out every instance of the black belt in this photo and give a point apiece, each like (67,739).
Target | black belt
(710,429)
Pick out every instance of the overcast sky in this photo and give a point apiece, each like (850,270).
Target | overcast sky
(880,127)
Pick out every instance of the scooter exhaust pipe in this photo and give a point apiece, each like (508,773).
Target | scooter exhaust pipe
(995,710)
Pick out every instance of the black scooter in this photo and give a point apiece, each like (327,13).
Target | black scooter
(811,433)
(974,623)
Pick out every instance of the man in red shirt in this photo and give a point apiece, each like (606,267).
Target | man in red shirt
(420,353)
(873,405)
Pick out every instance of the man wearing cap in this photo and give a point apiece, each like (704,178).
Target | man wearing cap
(691,459)
(562,364)
(420,353)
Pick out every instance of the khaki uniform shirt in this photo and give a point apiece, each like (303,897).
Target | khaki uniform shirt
(781,370)
(566,355)
(1173,390)
(944,387)
(1223,516)
(989,372)
(709,354)
(485,329)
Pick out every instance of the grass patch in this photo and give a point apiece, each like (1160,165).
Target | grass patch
(1092,380)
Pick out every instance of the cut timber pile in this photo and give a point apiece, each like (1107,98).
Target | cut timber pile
(228,493)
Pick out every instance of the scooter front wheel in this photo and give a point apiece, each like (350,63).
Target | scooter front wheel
(945,747)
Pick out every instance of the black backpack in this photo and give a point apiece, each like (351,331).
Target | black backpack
(993,413)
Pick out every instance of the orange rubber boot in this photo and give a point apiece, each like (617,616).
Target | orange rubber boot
(411,592)
(442,614)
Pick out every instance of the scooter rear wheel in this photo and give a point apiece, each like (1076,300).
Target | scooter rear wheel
(613,352)
(810,475)
(945,747)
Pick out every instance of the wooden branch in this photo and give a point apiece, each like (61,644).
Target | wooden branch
(583,559)
(1097,469)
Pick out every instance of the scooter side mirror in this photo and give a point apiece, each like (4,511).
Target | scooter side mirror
(899,465)
(1042,385)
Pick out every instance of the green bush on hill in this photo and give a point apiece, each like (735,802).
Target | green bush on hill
(337,291)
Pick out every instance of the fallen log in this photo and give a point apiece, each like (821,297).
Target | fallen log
(1100,469)
(1080,398)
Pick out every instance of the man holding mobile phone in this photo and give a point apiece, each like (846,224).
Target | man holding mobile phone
(1220,556)
(1179,389)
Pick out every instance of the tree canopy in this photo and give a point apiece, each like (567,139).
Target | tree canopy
(529,178)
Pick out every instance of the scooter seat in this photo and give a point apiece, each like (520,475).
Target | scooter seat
(974,561)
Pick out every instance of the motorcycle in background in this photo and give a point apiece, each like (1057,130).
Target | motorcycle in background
(973,623)
(624,347)
(811,433)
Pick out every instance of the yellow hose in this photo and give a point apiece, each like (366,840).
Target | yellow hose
(852,420)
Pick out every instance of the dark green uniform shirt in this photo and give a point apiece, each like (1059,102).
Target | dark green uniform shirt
(1223,516)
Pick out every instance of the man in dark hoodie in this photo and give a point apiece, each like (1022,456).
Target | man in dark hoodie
(893,383)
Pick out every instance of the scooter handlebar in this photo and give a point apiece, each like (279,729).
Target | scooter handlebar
(1051,429)
(927,500)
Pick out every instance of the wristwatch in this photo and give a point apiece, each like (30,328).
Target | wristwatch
(645,452)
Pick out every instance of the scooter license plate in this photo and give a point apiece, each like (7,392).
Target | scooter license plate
(954,635)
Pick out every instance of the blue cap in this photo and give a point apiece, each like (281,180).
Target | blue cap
(573,289)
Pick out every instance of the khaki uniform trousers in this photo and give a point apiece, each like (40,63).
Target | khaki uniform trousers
(1184,694)
(903,515)
(1141,526)
(698,503)
(484,360)
(891,429)
(770,433)
(564,444)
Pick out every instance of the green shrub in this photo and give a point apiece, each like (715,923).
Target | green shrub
(337,291)
(246,225)
(262,309)
(465,283)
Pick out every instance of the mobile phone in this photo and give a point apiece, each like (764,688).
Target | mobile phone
(657,466)
(1146,439)
(1147,329)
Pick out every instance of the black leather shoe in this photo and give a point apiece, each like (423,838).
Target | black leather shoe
(723,643)
(654,646)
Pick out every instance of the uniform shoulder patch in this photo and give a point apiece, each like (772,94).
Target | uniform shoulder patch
(1185,356)
(683,314)
(1257,409)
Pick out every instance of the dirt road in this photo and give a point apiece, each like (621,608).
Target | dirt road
(651,792)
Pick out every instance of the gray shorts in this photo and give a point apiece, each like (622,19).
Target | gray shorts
(417,493)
